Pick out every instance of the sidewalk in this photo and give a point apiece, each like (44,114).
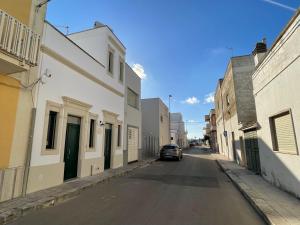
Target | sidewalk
(11,210)
(275,206)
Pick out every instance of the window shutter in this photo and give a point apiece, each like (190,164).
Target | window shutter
(285,134)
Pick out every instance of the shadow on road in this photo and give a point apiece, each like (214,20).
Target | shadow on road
(181,180)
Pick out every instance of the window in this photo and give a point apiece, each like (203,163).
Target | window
(51,132)
(132,98)
(121,76)
(92,133)
(110,61)
(283,135)
(227,100)
(119,135)
(161,118)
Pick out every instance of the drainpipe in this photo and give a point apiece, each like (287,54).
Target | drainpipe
(33,109)
(28,151)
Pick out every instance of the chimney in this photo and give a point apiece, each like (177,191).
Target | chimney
(260,51)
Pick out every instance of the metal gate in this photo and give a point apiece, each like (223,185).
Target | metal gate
(252,151)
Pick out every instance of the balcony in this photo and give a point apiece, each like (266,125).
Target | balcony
(207,118)
(19,45)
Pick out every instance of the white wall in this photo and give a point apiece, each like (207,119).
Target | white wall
(276,88)
(66,81)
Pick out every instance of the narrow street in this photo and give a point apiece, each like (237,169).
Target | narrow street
(192,191)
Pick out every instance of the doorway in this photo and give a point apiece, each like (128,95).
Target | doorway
(71,147)
(233,147)
(107,146)
(252,151)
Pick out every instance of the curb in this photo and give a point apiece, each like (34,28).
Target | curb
(10,215)
(259,204)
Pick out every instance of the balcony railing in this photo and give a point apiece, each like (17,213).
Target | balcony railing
(18,40)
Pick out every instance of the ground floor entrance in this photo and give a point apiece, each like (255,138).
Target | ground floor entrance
(252,151)
(133,143)
(72,147)
(107,146)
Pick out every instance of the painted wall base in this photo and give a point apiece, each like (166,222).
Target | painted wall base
(46,176)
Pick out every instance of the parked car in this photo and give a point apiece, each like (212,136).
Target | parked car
(171,151)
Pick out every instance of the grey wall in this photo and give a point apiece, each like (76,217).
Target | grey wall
(243,68)
(150,117)
(133,116)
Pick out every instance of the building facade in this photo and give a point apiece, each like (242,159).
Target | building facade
(276,91)
(211,129)
(21,28)
(234,105)
(133,117)
(80,106)
(155,124)
(178,133)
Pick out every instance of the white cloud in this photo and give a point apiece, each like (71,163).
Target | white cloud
(218,51)
(191,100)
(139,70)
(191,121)
(280,5)
(209,98)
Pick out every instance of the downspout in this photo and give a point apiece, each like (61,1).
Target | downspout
(33,110)
(29,151)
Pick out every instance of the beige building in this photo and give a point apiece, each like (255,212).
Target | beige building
(234,105)
(155,124)
(211,129)
(21,26)
(178,132)
(277,98)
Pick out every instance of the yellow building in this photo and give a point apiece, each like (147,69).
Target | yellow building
(21,25)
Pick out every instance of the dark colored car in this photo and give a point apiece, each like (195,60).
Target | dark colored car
(171,151)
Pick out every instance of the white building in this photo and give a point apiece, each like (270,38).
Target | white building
(277,98)
(80,106)
(178,133)
(155,124)
(133,117)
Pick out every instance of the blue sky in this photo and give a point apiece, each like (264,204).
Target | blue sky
(183,46)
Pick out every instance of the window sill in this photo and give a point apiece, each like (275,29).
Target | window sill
(134,107)
(286,153)
(50,152)
(110,74)
(91,150)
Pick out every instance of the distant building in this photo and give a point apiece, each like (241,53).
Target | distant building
(211,129)
(133,117)
(178,133)
(234,106)
(277,98)
(155,124)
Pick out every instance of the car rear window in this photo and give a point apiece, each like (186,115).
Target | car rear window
(169,147)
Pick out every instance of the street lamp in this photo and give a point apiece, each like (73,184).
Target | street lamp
(170,96)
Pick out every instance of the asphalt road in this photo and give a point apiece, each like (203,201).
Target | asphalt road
(192,191)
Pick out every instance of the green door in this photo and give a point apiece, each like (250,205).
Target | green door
(71,147)
(107,146)
(252,151)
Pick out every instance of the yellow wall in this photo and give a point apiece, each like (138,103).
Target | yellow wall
(9,96)
(19,9)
